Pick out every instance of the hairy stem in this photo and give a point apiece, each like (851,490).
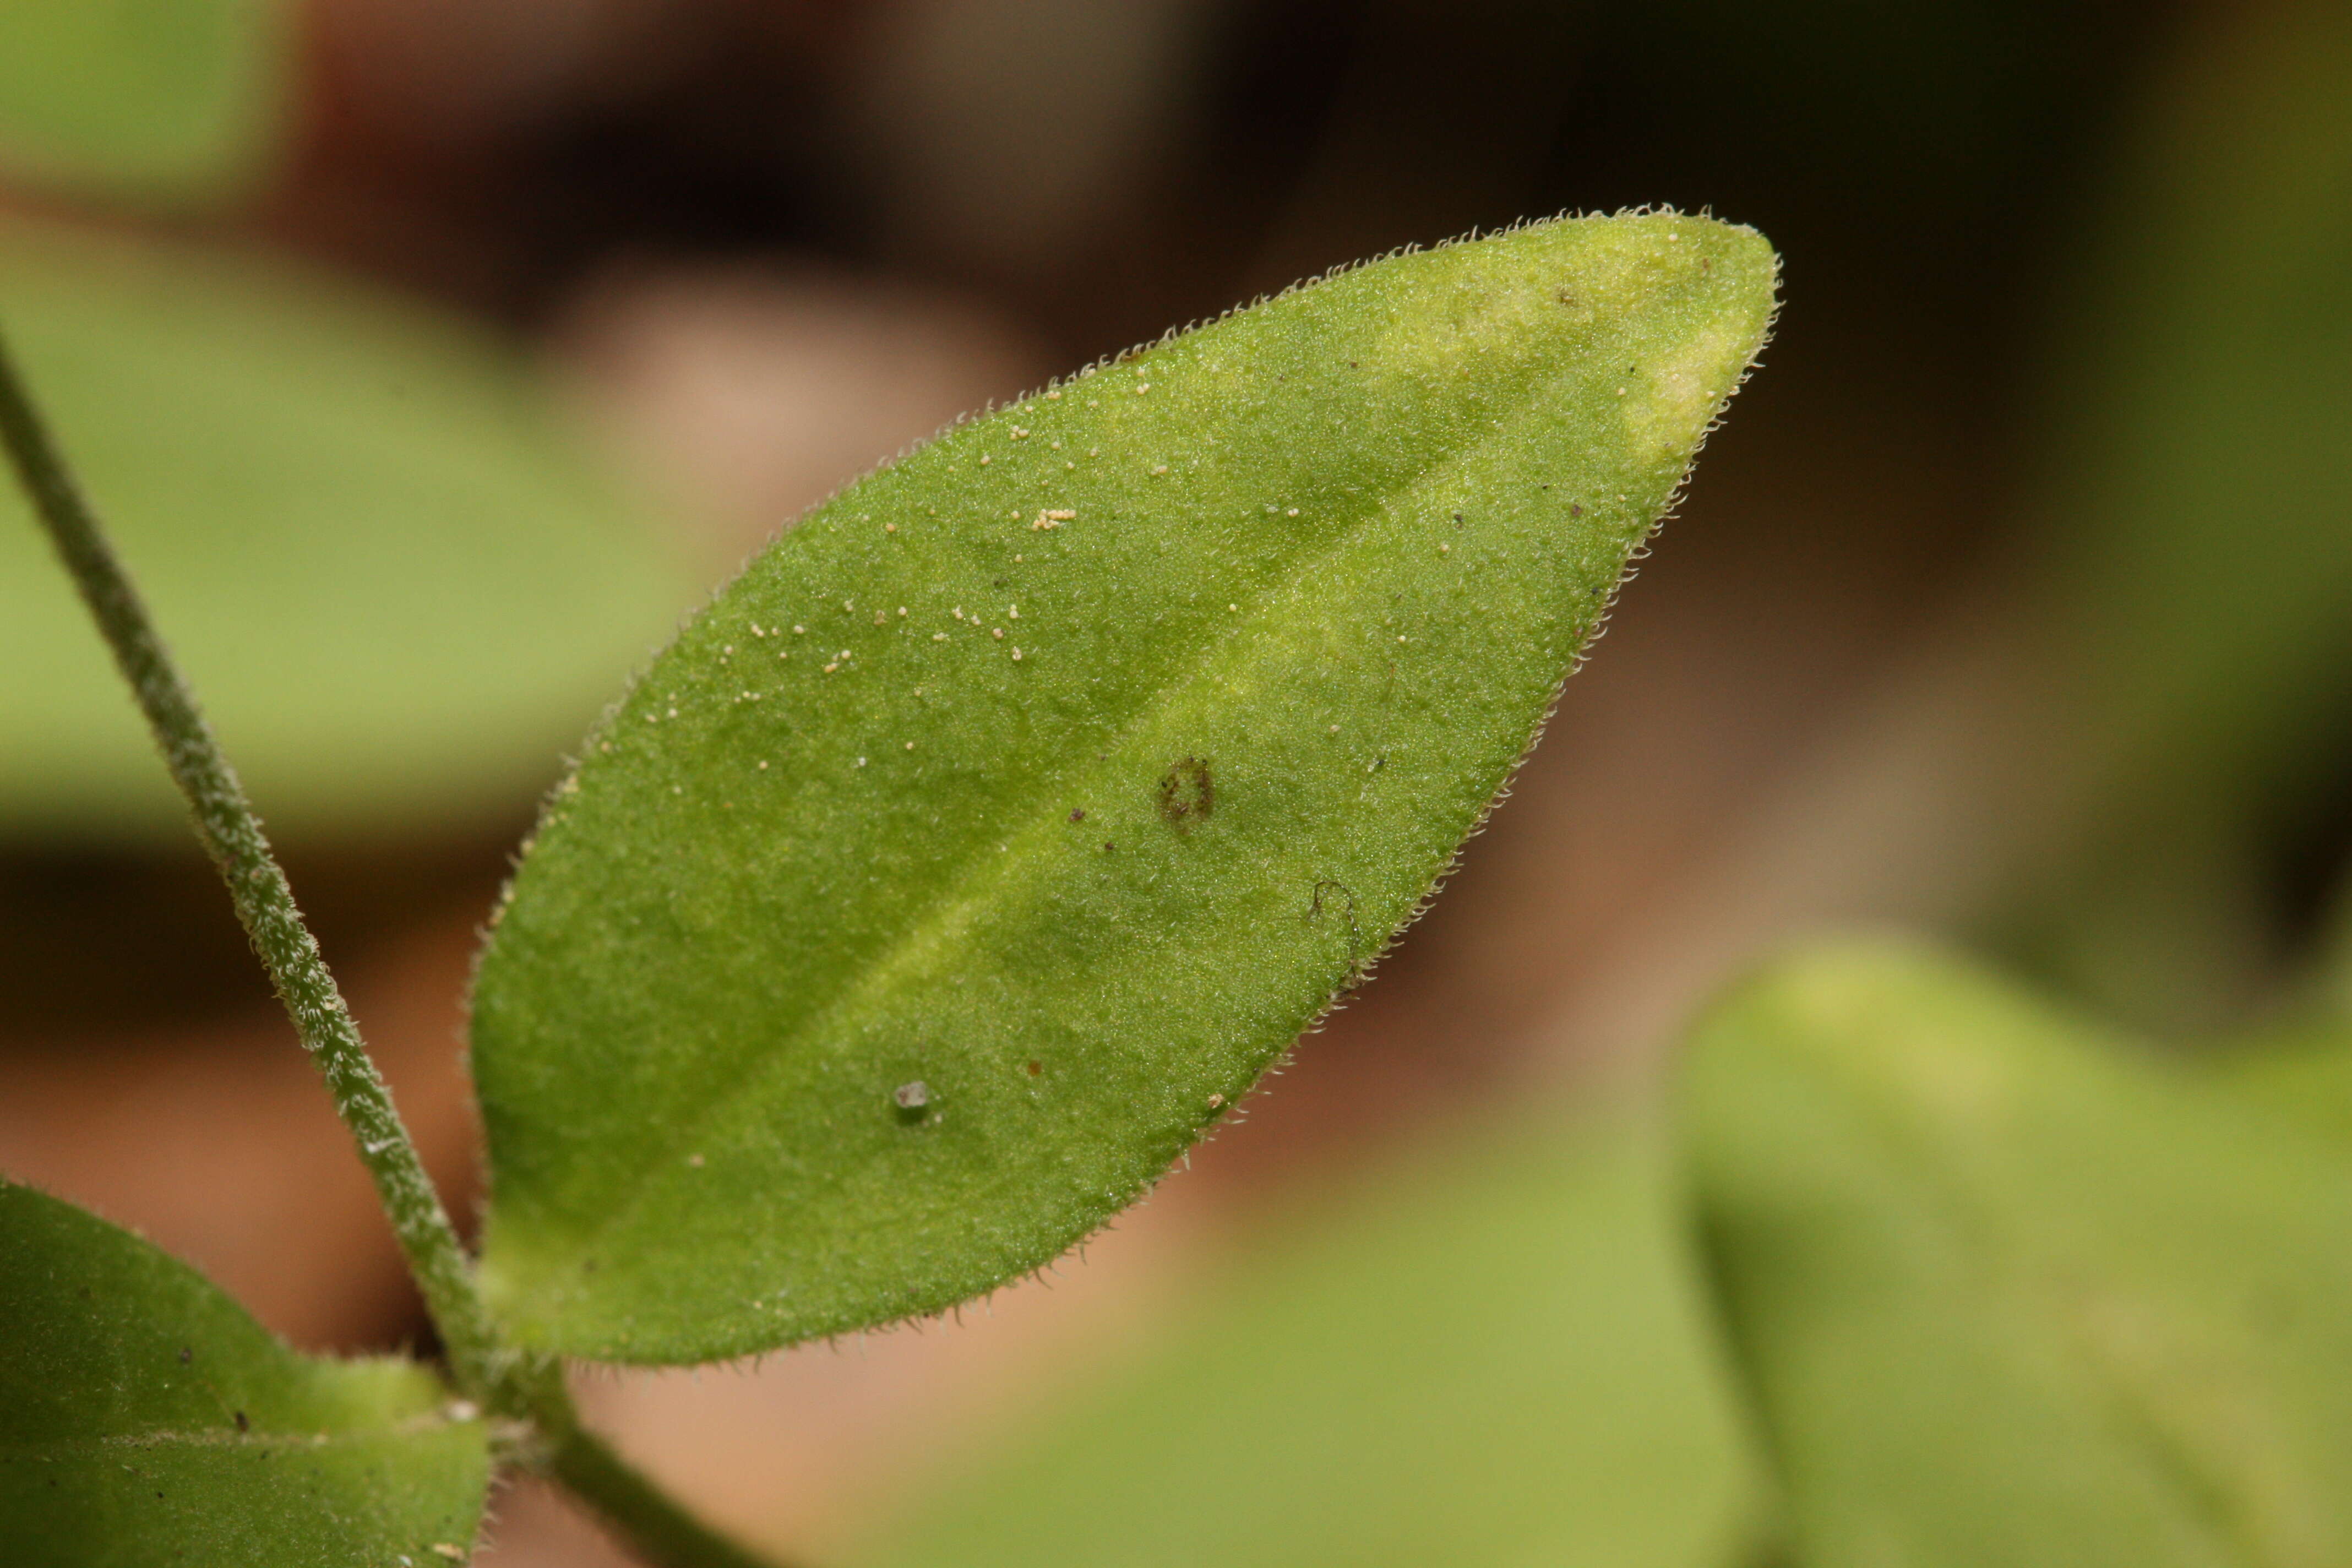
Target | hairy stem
(508,1384)
(232,836)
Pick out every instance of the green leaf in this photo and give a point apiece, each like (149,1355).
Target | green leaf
(169,100)
(2301,1074)
(1004,821)
(391,577)
(2012,1291)
(1490,1352)
(144,1418)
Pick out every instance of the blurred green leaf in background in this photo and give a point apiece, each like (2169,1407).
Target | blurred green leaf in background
(391,569)
(2011,1289)
(161,101)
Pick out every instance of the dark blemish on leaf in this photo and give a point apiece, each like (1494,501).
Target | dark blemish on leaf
(1187,795)
(1078,814)
(1314,911)
(1565,297)
(242,1424)
(1457,520)
(1036,1067)
(911,1097)
(187,1355)
(1108,846)
(1575,511)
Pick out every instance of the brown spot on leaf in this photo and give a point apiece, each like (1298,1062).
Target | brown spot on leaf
(1187,795)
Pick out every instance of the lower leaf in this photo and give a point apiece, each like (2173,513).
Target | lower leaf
(146,1418)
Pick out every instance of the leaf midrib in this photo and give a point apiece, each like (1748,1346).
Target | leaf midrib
(967,887)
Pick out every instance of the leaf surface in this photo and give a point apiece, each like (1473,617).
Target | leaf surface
(146,1418)
(171,99)
(395,582)
(1491,1351)
(2010,1290)
(1004,821)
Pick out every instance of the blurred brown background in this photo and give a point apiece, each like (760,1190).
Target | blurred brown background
(765,245)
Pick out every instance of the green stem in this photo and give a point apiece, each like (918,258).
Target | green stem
(632,1506)
(232,836)
(506,1382)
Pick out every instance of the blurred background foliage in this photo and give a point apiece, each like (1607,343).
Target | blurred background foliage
(154,101)
(430,357)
